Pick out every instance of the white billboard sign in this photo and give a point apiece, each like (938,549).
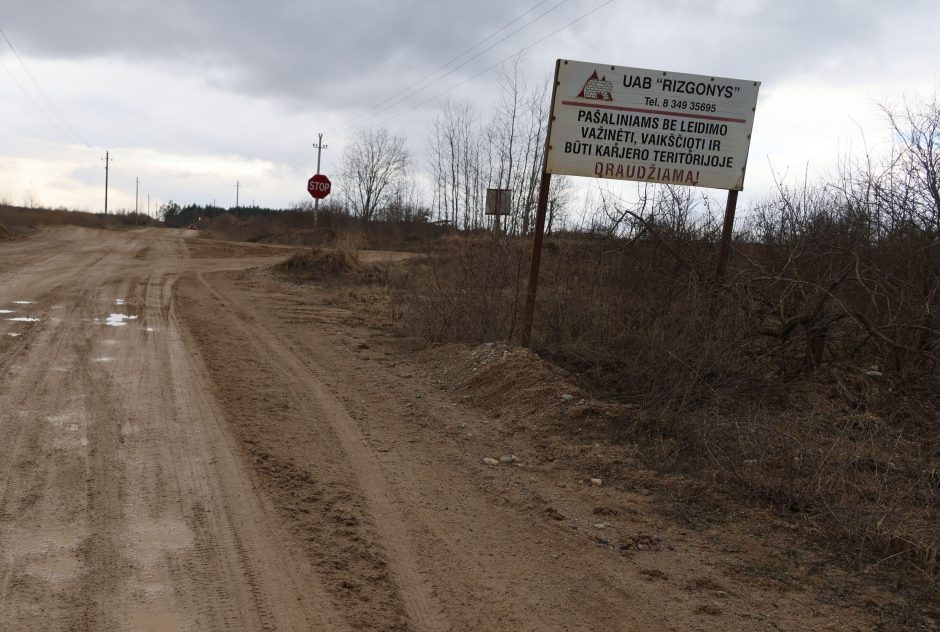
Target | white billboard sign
(650,125)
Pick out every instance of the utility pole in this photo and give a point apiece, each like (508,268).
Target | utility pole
(107,163)
(148,205)
(319,146)
(237,186)
(136,199)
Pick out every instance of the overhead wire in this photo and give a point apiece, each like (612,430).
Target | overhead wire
(463,63)
(49,102)
(366,115)
(491,67)
(35,105)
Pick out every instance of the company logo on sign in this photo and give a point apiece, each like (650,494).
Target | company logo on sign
(597,89)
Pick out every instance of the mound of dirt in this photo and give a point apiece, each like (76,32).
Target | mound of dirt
(5,234)
(521,387)
(317,264)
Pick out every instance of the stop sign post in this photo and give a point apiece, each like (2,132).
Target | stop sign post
(319,186)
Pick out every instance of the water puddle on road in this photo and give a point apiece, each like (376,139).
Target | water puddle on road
(154,619)
(23,319)
(48,554)
(6,311)
(13,334)
(24,302)
(64,422)
(118,320)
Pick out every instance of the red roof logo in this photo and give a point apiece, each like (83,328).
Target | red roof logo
(598,89)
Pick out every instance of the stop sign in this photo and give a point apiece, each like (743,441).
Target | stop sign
(319,186)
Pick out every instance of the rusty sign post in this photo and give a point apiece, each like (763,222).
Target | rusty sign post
(644,125)
(540,212)
(724,248)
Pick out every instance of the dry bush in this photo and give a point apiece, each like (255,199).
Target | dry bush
(18,219)
(466,290)
(320,264)
(332,228)
(806,379)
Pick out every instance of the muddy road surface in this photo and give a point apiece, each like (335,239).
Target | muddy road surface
(188,446)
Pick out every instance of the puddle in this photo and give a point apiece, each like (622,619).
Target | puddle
(48,554)
(6,311)
(154,619)
(152,539)
(22,542)
(118,320)
(120,301)
(13,334)
(24,302)
(62,421)
(150,329)
(23,319)
(103,359)
(60,568)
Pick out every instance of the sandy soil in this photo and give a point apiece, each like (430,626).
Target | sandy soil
(190,444)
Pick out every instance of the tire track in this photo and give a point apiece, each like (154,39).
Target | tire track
(380,505)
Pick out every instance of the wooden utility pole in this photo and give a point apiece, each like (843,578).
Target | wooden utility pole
(136,199)
(237,187)
(107,163)
(319,146)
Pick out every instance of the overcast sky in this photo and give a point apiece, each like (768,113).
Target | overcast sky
(191,97)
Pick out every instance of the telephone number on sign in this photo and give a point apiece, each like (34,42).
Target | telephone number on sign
(693,106)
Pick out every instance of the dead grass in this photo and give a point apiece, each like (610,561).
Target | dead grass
(321,264)
(850,445)
(18,221)
(330,229)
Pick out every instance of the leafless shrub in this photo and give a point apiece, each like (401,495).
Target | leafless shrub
(18,219)
(318,265)
(806,379)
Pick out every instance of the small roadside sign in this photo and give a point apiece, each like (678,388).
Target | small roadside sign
(498,201)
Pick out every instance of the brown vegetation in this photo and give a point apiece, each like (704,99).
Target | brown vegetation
(318,265)
(806,379)
(17,221)
(331,229)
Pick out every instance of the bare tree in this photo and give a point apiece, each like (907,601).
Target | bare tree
(457,163)
(375,169)
(917,129)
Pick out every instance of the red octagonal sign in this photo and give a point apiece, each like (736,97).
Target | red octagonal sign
(319,186)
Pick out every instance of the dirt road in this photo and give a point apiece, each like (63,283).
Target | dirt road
(184,446)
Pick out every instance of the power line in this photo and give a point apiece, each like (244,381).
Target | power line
(43,93)
(404,91)
(488,68)
(33,101)
(366,115)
